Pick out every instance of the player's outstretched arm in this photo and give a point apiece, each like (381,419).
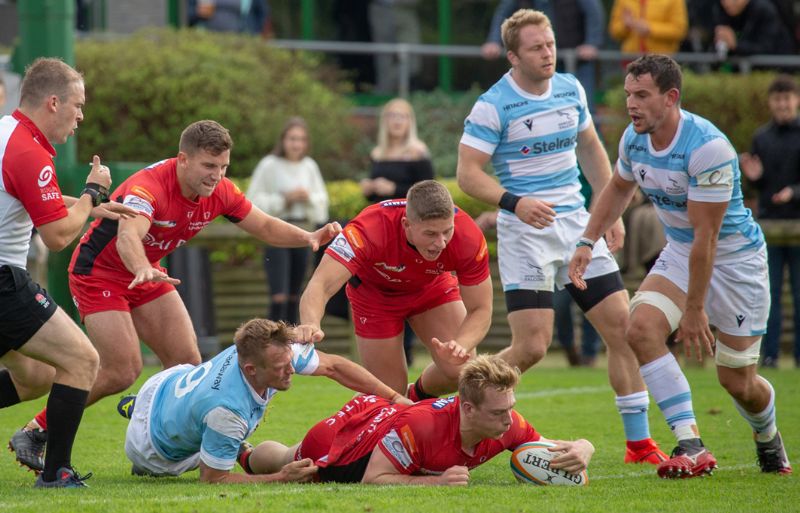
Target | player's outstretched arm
(478,302)
(301,471)
(381,471)
(355,377)
(277,232)
(576,455)
(327,279)
(130,233)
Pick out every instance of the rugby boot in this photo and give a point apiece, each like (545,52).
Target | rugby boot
(644,451)
(28,447)
(772,456)
(689,459)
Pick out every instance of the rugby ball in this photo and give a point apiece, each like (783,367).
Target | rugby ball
(530,463)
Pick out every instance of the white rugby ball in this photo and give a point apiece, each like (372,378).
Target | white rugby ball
(530,463)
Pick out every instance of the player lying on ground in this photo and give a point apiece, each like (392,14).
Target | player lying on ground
(433,442)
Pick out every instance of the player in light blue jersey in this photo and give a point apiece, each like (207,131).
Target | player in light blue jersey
(535,128)
(713,269)
(188,416)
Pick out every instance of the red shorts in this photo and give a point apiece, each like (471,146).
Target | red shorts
(92,294)
(380,314)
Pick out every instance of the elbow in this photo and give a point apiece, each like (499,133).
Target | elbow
(57,243)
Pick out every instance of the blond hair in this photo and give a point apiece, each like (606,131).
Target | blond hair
(46,77)
(253,337)
(429,199)
(484,372)
(411,141)
(511,28)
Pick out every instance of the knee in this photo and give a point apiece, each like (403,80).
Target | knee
(117,378)
(530,351)
(738,386)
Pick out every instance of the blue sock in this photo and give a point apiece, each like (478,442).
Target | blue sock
(633,409)
(671,392)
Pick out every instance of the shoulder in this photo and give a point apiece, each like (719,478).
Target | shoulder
(418,150)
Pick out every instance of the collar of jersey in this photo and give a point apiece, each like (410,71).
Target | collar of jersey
(37,134)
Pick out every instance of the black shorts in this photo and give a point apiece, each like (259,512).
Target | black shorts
(24,308)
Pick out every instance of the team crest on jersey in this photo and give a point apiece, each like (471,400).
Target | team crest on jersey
(566,119)
(675,188)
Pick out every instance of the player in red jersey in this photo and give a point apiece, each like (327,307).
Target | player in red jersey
(41,348)
(397,258)
(434,442)
(124,295)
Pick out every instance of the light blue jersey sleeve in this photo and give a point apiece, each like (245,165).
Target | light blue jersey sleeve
(712,171)
(223,431)
(305,358)
(623,161)
(482,128)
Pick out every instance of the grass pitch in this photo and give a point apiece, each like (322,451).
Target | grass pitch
(559,402)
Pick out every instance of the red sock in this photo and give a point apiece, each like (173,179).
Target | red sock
(41,419)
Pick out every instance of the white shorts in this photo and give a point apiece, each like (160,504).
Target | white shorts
(532,259)
(738,298)
(138,444)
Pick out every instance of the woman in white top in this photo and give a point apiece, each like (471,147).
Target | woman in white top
(287,184)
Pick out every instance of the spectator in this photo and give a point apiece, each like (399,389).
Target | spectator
(246,16)
(352,25)
(287,184)
(750,27)
(393,21)
(773,167)
(578,26)
(649,26)
(398,161)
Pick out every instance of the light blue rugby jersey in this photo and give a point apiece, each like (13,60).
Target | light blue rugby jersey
(699,165)
(532,138)
(211,408)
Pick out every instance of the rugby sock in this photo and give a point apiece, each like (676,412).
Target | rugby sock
(41,419)
(763,423)
(633,409)
(64,411)
(671,392)
(416,393)
(8,392)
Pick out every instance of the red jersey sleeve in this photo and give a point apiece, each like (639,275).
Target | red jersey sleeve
(143,194)
(410,442)
(472,265)
(520,432)
(37,188)
(235,205)
(352,248)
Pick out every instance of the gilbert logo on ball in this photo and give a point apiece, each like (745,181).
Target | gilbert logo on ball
(530,463)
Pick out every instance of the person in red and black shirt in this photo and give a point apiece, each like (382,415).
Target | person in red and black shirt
(433,442)
(40,345)
(122,293)
(398,258)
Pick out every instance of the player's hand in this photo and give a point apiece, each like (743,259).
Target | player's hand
(695,334)
(456,475)
(487,220)
(151,274)
(99,174)
(383,187)
(299,195)
(308,334)
(577,266)
(538,214)
(301,471)
(114,211)
(491,50)
(751,166)
(575,455)
(586,52)
(451,352)
(324,235)
(399,398)
(615,236)
(784,195)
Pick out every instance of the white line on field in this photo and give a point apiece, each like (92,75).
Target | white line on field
(563,391)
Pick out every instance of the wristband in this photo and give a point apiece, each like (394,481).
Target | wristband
(585,241)
(97,192)
(508,201)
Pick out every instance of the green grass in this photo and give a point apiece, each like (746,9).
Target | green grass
(560,403)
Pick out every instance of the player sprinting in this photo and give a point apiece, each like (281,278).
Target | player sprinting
(190,417)
(433,442)
(397,258)
(713,269)
(124,295)
(535,127)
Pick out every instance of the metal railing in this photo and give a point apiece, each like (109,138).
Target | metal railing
(569,57)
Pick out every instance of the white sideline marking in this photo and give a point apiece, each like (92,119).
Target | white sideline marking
(651,471)
(563,391)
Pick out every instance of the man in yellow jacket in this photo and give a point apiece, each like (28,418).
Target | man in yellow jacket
(648,26)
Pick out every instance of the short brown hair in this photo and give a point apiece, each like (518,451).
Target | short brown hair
(295,121)
(45,77)
(510,28)
(666,72)
(253,337)
(429,199)
(205,135)
(783,84)
(484,372)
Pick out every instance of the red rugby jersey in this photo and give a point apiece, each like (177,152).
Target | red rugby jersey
(374,247)
(156,194)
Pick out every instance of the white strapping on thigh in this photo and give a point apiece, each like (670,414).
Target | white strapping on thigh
(660,301)
(731,358)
